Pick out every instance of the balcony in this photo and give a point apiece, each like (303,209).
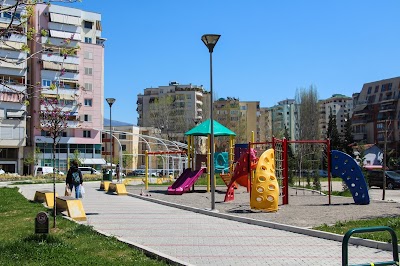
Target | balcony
(49,41)
(387,108)
(55,57)
(359,136)
(60,66)
(65,35)
(13,63)
(73,124)
(358,121)
(71,29)
(11,87)
(15,38)
(55,75)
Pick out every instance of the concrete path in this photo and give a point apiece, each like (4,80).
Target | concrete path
(190,238)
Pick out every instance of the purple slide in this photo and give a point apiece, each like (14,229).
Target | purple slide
(185,181)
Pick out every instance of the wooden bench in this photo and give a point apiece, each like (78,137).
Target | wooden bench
(45,196)
(73,207)
(118,188)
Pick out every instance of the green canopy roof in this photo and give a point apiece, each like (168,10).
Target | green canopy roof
(204,129)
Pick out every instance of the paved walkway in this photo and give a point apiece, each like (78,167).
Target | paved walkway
(191,238)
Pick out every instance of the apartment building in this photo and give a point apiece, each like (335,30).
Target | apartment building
(340,106)
(283,118)
(173,109)
(376,113)
(125,144)
(265,124)
(75,80)
(13,77)
(250,113)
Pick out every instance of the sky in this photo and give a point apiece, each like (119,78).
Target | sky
(268,49)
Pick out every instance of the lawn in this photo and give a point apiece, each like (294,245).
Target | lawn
(68,244)
(341,227)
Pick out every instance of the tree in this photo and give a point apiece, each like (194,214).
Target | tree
(76,156)
(348,139)
(307,127)
(168,115)
(20,13)
(127,159)
(53,117)
(54,121)
(332,133)
(32,159)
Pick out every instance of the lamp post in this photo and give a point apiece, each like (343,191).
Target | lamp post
(110,102)
(210,40)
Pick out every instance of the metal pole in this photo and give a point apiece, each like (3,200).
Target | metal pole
(111,146)
(212,139)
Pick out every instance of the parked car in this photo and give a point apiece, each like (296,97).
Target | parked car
(137,172)
(323,173)
(88,170)
(375,178)
(45,170)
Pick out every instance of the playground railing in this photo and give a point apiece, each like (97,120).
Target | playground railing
(345,245)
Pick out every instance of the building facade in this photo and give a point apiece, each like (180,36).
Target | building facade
(13,79)
(283,119)
(75,79)
(125,144)
(250,114)
(173,109)
(338,105)
(376,114)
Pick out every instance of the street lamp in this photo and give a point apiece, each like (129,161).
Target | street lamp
(210,40)
(110,102)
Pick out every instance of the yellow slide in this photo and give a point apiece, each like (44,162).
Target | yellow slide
(265,189)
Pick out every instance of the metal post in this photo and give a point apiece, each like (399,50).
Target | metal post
(111,146)
(212,139)
(210,40)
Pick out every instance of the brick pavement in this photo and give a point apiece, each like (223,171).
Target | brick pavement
(190,238)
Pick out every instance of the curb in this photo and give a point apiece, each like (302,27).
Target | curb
(294,229)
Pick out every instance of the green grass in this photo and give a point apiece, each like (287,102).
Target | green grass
(341,227)
(345,193)
(68,244)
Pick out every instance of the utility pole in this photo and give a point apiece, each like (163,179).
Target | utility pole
(384,160)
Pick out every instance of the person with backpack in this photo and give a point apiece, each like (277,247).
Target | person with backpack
(74,179)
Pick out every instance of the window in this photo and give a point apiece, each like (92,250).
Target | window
(376,89)
(46,83)
(88,86)
(88,71)
(369,90)
(88,102)
(87,118)
(88,24)
(44,133)
(88,40)
(87,134)
(7,14)
(123,147)
(88,55)
(122,136)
